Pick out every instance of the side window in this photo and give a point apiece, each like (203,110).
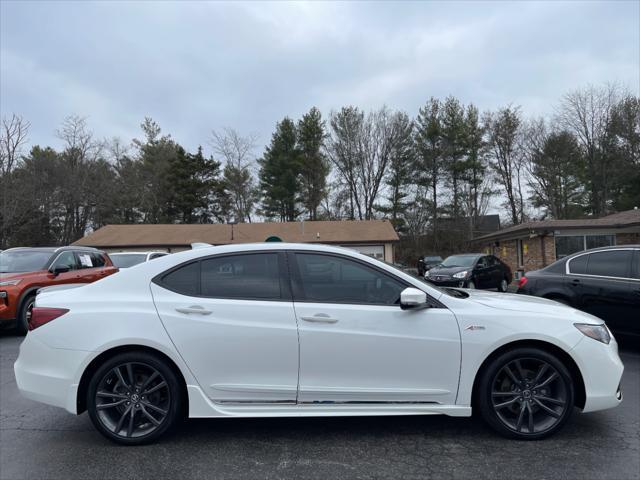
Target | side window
(578,265)
(85,259)
(156,255)
(248,276)
(184,280)
(326,278)
(65,259)
(483,262)
(98,260)
(613,263)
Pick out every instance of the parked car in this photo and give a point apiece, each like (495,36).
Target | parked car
(604,282)
(213,332)
(129,259)
(426,263)
(471,270)
(25,270)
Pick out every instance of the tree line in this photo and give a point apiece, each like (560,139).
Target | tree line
(445,167)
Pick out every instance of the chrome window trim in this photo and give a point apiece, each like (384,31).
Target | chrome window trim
(568,271)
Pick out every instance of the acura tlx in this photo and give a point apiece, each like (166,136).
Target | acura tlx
(292,330)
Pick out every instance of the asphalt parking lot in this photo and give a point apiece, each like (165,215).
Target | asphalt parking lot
(41,442)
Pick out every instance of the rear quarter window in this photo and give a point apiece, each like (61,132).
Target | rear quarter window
(184,279)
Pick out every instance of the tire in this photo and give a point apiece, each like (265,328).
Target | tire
(22,322)
(121,411)
(504,284)
(471,284)
(522,410)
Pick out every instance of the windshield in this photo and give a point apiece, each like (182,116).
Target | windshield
(23,261)
(127,260)
(433,259)
(460,261)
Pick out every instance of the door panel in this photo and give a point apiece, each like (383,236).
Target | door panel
(243,350)
(239,349)
(377,354)
(357,345)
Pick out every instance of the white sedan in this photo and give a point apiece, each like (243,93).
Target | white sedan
(286,330)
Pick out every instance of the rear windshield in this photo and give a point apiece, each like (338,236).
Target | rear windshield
(23,261)
(128,260)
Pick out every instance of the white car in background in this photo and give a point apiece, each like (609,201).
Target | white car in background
(288,330)
(129,259)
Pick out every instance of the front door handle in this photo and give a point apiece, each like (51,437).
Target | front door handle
(575,281)
(197,309)
(320,318)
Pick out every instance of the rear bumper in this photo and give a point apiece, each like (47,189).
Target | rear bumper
(601,370)
(49,375)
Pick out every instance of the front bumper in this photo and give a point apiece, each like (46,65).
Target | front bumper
(49,375)
(601,370)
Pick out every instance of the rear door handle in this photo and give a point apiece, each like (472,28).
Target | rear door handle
(197,309)
(320,318)
(575,281)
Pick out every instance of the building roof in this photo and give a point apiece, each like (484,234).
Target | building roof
(139,235)
(624,219)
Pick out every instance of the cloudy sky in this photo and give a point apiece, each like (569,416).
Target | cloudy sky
(195,66)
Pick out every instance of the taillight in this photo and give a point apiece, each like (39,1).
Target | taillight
(42,315)
(522,282)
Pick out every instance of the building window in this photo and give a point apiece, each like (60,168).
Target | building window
(568,244)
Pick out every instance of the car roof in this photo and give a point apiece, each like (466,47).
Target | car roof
(136,253)
(52,249)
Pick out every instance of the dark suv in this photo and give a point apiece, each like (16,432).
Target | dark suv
(604,282)
(25,270)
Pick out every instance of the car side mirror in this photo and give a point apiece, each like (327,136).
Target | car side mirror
(60,269)
(412,299)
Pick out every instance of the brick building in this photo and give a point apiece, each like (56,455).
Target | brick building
(533,245)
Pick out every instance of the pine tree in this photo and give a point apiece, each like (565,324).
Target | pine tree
(314,166)
(280,172)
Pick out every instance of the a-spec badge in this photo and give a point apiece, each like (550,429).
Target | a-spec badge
(475,327)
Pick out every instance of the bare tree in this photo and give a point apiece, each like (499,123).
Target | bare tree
(360,148)
(587,114)
(237,151)
(13,138)
(503,130)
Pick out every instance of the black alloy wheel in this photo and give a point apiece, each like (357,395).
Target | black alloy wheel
(504,285)
(526,394)
(134,398)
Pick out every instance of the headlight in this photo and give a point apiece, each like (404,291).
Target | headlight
(597,332)
(427,273)
(15,281)
(460,274)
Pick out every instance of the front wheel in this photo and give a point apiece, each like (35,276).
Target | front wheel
(503,285)
(471,284)
(526,393)
(24,317)
(134,398)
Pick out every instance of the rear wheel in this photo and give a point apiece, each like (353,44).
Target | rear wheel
(526,393)
(24,317)
(134,398)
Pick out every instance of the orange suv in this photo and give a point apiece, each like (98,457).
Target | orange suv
(24,270)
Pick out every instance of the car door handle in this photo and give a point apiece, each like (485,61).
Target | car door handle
(575,281)
(197,309)
(320,318)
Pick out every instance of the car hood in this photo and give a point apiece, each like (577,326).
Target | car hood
(529,304)
(448,270)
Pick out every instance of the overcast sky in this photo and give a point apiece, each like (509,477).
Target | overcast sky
(197,66)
